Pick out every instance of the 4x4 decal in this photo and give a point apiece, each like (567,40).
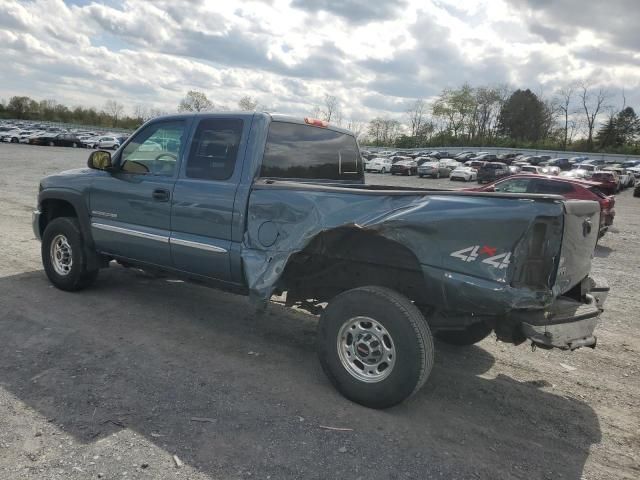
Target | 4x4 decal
(471,254)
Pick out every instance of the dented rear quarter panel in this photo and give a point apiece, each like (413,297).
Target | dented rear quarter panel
(467,245)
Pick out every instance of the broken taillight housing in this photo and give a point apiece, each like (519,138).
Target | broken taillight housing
(539,251)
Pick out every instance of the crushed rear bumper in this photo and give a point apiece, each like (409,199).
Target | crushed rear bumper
(567,324)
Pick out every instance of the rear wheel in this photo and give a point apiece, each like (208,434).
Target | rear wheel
(469,336)
(375,346)
(63,255)
(383,170)
(51,144)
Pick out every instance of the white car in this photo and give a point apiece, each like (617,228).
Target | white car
(532,169)
(450,163)
(379,164)
(548,170)
(466,174)
(107,142)
(12,136)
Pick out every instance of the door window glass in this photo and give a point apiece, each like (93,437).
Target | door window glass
(554,188)
(513,186)
(154,150)
(214,149)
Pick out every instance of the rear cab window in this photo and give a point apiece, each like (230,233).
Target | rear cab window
(305,152)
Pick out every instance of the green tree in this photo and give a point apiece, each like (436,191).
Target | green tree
(195,101)
(524,117)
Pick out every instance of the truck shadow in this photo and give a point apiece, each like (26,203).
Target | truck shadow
(150,355)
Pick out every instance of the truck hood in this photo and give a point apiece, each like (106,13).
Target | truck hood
(75,179)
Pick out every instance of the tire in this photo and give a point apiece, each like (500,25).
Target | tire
(421,176)
(405,339)
(469,336)
(383,170)
(14,140)
(59,231)
(51,144)
(115,147)
(74,145)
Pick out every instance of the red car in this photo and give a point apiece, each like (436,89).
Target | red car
(570,189)
(608,182)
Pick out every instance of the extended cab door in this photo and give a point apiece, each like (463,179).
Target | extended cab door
(204,196)
(131,207)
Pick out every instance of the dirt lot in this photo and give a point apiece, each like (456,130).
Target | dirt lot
(116,380)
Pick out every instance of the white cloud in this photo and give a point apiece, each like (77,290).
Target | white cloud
(288,53)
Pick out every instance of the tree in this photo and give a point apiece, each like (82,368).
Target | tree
(195,101)
(456,108)
(627,127)
(114,109)
(331,106)
(415,114)
(563,101)
(523,117)
(19,106)
(248,104)
(593,104)
(384,131)
(606,135)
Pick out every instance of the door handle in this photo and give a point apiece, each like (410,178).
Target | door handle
(160,195)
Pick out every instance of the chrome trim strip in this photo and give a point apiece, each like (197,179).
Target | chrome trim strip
(201,246)
(128,231)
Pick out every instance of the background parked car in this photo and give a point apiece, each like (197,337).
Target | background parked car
(492,171)
(404,167)
(67,140)
(433,170)
(486,157)
(562,163)
(107,143)
(450,163)
(532,169)
(466,174)
(568,188)
(379,165)
(608,182)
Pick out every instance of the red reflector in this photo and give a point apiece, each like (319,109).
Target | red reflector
(316,122)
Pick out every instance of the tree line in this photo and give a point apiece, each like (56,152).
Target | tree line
(578,117)
(498,116)
(112,115)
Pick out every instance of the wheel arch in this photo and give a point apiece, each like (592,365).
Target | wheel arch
(344,258)
(55,203)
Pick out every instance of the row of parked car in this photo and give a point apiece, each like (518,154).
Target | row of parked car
(35,133)
(485,167)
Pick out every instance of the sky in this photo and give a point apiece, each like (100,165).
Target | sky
(375,56)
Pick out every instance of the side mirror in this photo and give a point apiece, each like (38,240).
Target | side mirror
(100,160)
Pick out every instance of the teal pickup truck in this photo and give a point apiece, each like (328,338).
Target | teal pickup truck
(262,204)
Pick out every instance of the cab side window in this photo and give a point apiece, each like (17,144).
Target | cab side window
(513,186)
(214,149)
(154,150)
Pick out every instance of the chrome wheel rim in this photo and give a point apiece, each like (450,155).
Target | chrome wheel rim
(61,255)
(366,349)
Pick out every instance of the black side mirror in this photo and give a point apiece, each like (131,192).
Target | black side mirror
(100,160)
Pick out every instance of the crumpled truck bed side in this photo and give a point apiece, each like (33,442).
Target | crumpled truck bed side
(470,248)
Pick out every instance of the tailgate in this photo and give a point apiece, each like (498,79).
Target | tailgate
(581,226)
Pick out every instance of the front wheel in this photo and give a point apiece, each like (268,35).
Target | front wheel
(375,346)
(383,170)
(63,255)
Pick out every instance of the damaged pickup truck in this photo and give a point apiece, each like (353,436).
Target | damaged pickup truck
(264,204)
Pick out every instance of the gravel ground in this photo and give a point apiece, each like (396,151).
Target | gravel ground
(114,381)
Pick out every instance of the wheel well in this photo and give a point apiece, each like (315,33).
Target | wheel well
(350,257)
(54,208)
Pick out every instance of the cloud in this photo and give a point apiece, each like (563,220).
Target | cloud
(354,11)
(373,56)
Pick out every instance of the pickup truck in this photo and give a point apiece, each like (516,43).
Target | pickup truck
(262,204)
